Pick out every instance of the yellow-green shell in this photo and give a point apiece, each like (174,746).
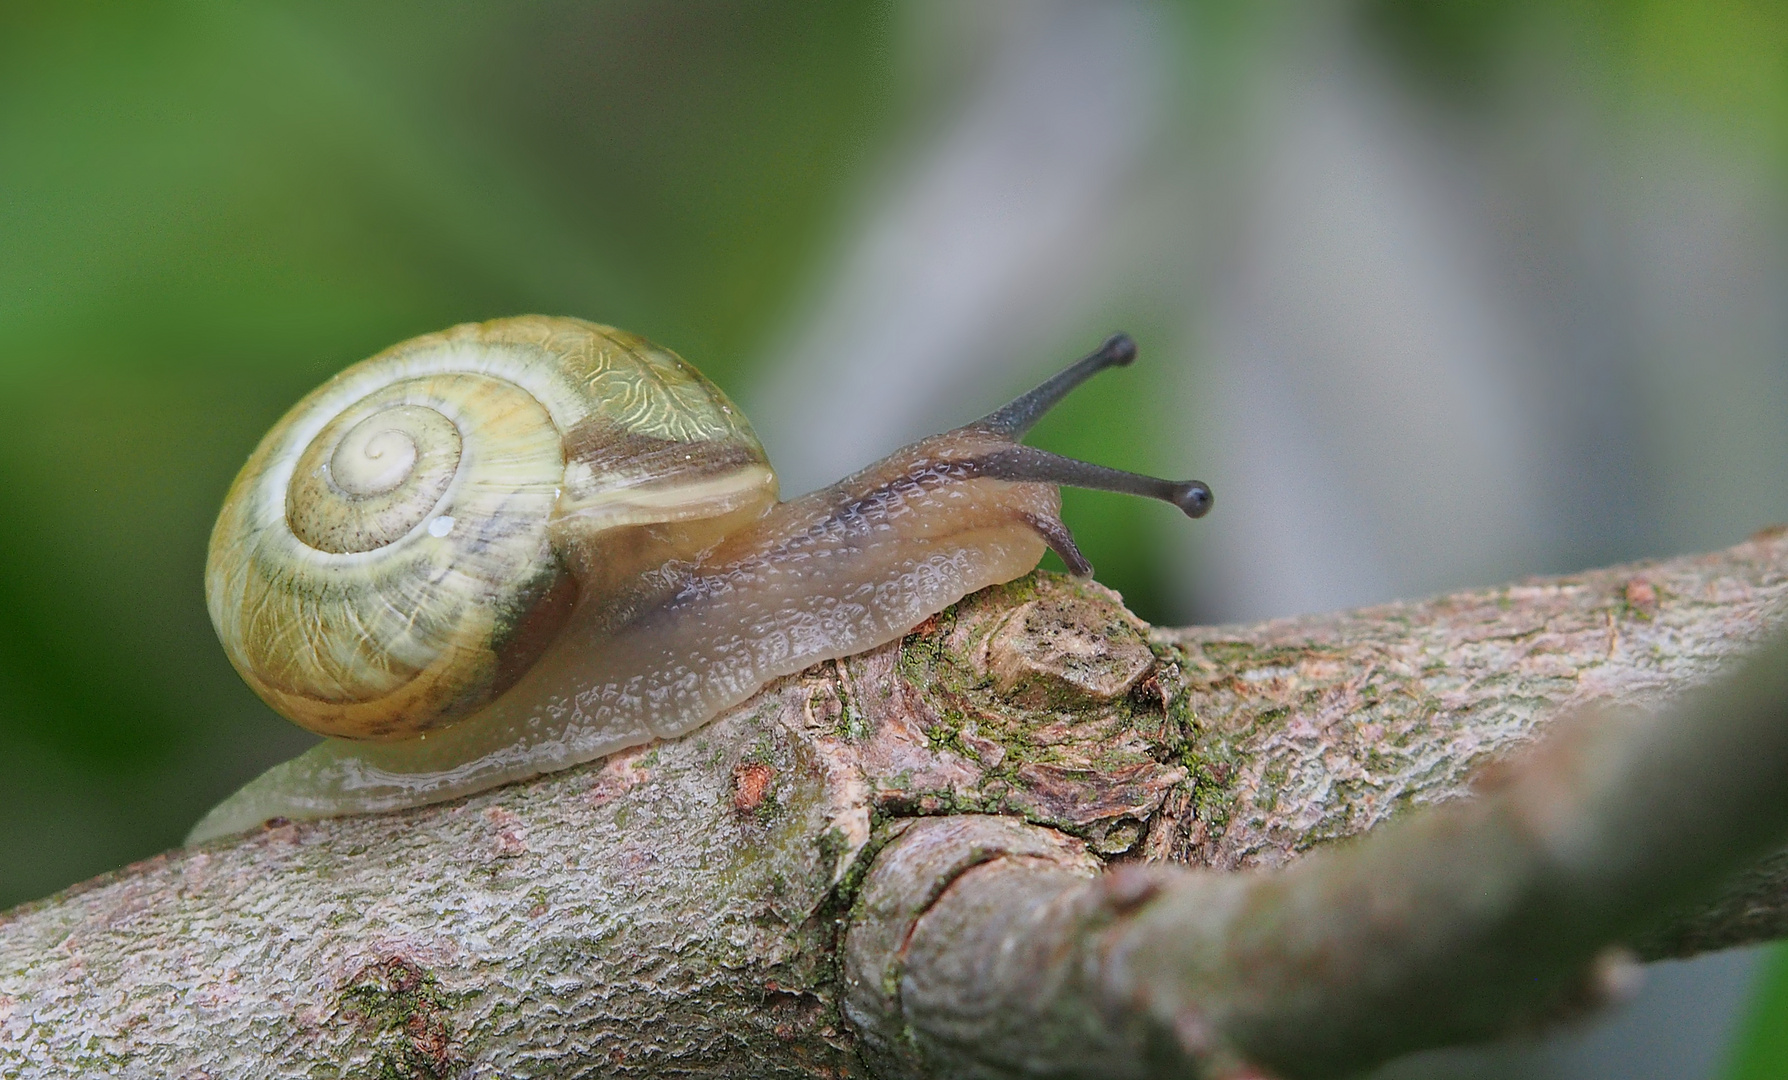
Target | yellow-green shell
(390,537)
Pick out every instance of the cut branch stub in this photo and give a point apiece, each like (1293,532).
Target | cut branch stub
(1069,740)
(1055,652)
(924,859)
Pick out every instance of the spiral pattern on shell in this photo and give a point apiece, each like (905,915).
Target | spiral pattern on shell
(393,554)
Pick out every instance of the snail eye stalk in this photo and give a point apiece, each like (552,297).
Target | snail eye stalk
(1026,463)
(1018,417)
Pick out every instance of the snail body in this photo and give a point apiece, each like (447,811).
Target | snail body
(514,546)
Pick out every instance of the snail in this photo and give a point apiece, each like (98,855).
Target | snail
(513,546)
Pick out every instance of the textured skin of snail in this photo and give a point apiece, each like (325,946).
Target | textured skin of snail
(514,546)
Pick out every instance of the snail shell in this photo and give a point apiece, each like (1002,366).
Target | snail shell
(400,548)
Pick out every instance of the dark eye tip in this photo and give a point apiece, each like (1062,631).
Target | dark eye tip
(1194,497)
(1119,348)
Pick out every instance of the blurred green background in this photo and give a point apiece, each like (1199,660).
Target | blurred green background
(205,210)
(208,209)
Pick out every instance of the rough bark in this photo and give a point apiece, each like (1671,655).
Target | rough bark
(986,947)
(681,908)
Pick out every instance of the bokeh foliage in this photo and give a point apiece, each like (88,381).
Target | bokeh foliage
(1762,1049)
(205,210)
(1725,62)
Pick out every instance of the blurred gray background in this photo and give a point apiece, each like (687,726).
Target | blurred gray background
(1423,321)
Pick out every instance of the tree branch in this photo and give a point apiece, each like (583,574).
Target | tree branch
(681,907)
(1451,925)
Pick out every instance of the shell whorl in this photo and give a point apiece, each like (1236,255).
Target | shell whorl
(374,473)
(394,550)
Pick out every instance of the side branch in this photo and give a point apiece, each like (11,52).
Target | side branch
(1454,924)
